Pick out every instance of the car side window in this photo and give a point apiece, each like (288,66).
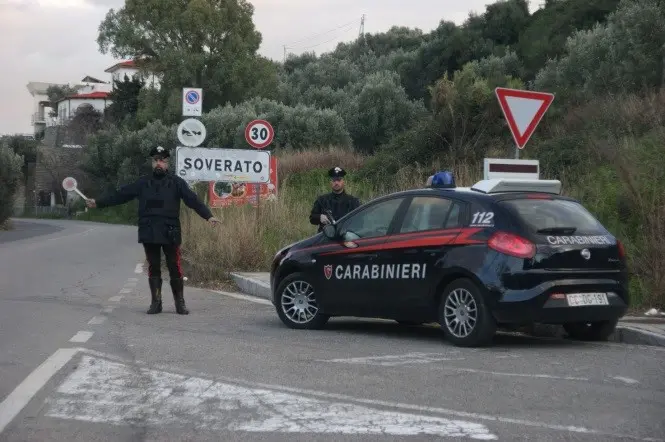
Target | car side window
(454,216)
(373,221)
(430,213)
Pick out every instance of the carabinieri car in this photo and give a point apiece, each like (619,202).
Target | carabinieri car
(500,254)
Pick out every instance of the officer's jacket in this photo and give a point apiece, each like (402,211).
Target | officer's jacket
(159,206)
(338,203)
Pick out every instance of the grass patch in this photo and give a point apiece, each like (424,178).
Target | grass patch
(126,214)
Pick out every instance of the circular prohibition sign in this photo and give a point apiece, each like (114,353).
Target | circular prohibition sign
(192,97)
(259,134)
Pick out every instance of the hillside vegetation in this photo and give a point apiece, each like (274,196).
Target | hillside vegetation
(393,107)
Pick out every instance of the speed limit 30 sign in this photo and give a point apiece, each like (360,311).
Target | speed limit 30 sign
(259,133)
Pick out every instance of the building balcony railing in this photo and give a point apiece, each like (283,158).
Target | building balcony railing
(60,120)
(38,118)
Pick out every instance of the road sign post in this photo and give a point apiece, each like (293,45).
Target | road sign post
(523,110)
(192,102)
(259,134)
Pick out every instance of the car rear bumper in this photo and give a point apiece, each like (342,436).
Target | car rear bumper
(539,305)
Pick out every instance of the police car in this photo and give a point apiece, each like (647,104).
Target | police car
(503,253)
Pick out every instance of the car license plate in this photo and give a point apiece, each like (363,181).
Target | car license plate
(582,299)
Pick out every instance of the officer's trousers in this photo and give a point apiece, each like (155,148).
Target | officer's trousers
(153,253)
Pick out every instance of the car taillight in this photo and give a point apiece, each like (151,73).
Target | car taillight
(622,250)
(512,245)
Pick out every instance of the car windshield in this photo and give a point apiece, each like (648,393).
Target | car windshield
(554,216)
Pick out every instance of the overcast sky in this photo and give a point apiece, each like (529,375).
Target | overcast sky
(55,40)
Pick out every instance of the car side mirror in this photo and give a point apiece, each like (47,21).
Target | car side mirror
(330,231)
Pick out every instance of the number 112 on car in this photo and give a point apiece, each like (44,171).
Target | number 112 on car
(484,219)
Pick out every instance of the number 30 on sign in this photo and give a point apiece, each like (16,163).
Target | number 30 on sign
(259,134)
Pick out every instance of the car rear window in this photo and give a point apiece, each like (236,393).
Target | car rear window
(554,213)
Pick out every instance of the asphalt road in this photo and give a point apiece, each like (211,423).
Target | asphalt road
(81,361)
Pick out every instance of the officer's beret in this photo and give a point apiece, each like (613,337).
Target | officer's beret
(159,151)
(336,172)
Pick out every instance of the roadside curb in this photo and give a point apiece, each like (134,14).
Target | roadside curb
(627,332)
(631,334)
(250,285)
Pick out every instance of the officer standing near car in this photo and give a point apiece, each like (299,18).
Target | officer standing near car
(159,196)
(338,202)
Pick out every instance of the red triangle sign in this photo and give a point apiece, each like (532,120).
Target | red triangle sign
(523,111)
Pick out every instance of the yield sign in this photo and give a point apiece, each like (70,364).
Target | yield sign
(523,111)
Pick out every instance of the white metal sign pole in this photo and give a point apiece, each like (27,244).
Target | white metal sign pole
(259,134)
(191,132)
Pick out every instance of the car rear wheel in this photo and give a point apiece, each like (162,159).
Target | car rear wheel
(591,331)
(296,304)
(464,316)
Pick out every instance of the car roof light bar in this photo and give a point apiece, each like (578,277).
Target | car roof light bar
(499,185)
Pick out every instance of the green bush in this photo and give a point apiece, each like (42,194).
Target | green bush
(10,179)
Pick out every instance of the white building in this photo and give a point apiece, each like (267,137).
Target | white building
(130,68)
(68,106)
(41,108)
(91,92)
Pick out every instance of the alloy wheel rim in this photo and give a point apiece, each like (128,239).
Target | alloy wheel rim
(460,313)
(298,302)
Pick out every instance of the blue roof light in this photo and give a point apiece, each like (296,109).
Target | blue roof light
(444,179)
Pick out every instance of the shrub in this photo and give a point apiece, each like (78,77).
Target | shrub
(10,179)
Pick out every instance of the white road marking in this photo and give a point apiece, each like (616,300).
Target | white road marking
(103,391)
(26,390)
(115,298)
(427,358)
(139,268)
(394,360)
(522,375)
(244,297)
(84,233)
(108,309)
(328,396)
(97,320)
(126,291)
(81,336)
(626,380)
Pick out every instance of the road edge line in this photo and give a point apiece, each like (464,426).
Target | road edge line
(243,296)
(16,401)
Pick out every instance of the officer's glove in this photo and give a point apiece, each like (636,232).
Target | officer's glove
(324,219)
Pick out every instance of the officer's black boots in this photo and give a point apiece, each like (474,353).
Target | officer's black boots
(177,285)
(156,295)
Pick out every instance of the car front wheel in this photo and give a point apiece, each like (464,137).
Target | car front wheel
(464,316)
(297,305)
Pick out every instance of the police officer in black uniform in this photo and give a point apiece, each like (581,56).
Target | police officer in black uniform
(159,198)
(338,202)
